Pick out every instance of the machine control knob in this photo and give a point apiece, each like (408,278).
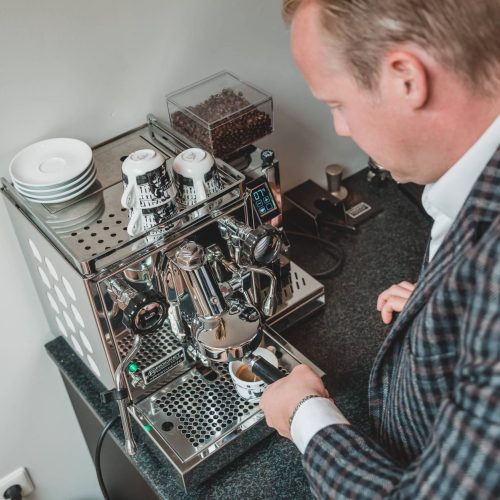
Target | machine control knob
(267,157)
(145,312)
(190,256)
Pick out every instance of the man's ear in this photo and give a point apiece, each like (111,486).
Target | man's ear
(408,78)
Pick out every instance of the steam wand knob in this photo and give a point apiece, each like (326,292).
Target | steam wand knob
(143,312)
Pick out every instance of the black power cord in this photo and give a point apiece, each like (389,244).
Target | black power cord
(97,456)
(331,248)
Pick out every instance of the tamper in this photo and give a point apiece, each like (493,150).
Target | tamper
(334,179)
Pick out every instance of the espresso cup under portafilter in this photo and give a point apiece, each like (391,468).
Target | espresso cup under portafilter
(251,375)
(196,176)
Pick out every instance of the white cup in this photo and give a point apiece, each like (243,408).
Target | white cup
(196,176)
(251,391)
(142,220)
(148,190)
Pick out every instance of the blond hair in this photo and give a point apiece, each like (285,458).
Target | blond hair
(463,35)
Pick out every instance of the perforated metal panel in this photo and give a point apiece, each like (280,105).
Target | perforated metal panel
(196,409)
(106,232)
(154,347)
(201,410)
(63,296)
(193,413)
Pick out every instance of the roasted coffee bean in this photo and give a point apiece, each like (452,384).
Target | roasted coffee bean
(233,123)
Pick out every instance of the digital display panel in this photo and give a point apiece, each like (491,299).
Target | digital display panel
(263,200)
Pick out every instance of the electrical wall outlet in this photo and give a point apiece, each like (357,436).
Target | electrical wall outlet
(19,476)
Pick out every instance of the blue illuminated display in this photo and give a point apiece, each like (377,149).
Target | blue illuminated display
(263,200)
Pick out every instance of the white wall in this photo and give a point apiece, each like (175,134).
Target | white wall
(92,69)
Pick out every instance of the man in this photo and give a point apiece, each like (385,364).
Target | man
(416,85)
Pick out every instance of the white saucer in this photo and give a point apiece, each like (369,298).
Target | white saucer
(82,189)
(50,162)
(59,188)
(59,194)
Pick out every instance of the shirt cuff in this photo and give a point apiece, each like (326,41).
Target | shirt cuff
(312,416)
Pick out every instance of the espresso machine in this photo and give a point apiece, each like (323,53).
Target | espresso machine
(158,317)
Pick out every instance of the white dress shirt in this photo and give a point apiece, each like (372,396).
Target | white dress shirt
(442,201)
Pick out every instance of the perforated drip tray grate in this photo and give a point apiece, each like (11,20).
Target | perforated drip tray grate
(193,412)
(200,423)
(198,407)
(303,289)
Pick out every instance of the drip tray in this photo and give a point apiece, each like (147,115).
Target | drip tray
(196,410)
(200,423)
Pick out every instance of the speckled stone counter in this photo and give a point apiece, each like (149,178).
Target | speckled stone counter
(342,339)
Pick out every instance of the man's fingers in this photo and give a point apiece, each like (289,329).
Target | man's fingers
(393,291)
(398,291)
(380,302)
(409,286)
(393,304)
(386,316)
(280,398)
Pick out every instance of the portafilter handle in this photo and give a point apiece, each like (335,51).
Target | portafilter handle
(263,369)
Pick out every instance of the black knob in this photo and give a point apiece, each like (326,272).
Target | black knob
(267,157)
(145,312)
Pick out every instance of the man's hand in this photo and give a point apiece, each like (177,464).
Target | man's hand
(280,399)
(394,299)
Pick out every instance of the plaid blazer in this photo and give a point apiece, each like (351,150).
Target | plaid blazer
(434,391)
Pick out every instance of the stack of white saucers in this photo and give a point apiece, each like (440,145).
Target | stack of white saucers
(53,171)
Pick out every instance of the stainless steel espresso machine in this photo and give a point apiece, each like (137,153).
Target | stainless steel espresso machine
(157,317)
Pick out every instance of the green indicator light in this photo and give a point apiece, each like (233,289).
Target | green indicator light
(132,367)
(148,428)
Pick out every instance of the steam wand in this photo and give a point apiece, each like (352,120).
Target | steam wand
(119,376)
(121,396)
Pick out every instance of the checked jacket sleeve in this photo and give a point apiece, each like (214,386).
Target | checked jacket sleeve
(461,456)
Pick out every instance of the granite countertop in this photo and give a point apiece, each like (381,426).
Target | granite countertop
(342,339)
